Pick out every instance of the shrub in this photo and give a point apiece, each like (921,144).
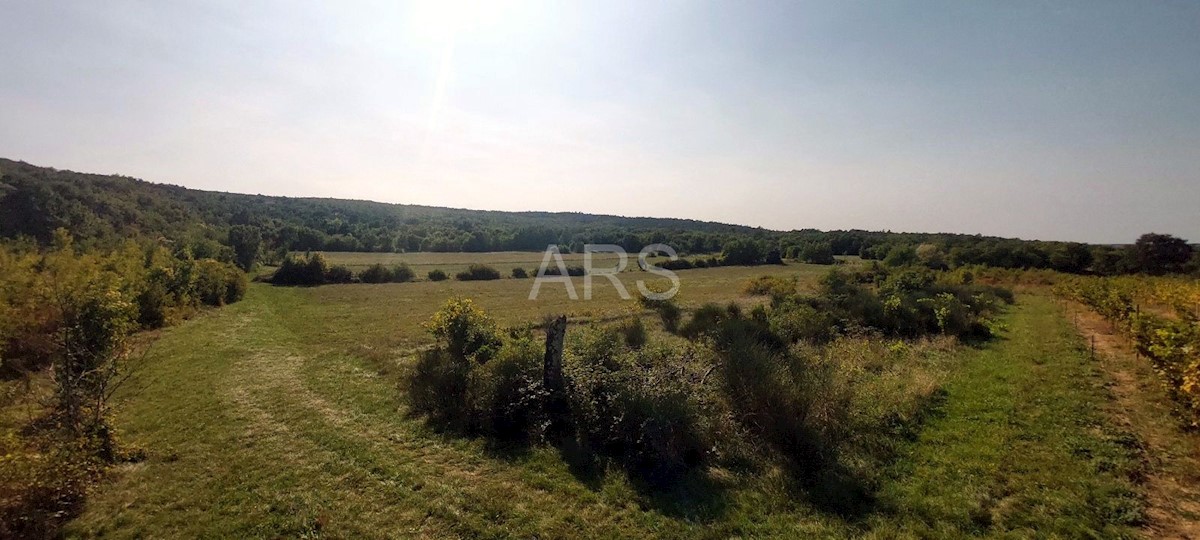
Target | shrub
(900,255)
(774,286)
(402,273)
(727,325)
(376,273)
(574,271)
(437,387)
(72,310)
(465,331)
(218,283)
(795,321)
(742,252)
(519,273)
(773,395)
(309,270)
(478,272)
(436,275)
(506,396)
(680,264)
(621,409)
(339,274)
(476,381)
(816,253)
(153,301)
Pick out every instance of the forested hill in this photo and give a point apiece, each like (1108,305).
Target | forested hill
(100,211)
(99,208)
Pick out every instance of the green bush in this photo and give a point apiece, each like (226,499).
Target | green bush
(339,274)
(795,321)
(436,275)
(402,273)
(437,387)
(153,303)
(621,409)
(376,273)
(506,396)
(773,286)
(218,283)
(742,252)
(309,270)
(465,331)
(476,381)
(773,395)
(574,271)
(478,272)
(519,273)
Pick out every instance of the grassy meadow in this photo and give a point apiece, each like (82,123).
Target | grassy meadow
(281,416)
(452,263)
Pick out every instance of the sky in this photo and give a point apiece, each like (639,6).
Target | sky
(1055,120)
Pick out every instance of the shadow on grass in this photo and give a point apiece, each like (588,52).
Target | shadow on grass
(697,494)
(693,494)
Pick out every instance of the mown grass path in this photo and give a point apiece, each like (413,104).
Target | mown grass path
(261,421)
(1022,445)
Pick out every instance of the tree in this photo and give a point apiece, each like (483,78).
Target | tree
(1071,257)
(1110,261)
(1158,254)
(742,253)
(816,253)
(931,256)
(96,319)
(246,241)
(900,255)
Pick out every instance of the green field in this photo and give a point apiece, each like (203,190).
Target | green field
(452,263)
(280,416)
(504,261)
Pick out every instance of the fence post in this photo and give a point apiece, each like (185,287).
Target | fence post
(552,374)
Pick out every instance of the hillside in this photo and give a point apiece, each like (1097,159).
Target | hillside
(100,211)
(38,200)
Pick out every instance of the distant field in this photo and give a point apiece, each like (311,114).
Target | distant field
(391,314)
(451,263)
(505,261)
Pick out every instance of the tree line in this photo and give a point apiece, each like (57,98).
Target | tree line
(106,210)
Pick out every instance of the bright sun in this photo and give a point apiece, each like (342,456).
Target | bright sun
(443,21)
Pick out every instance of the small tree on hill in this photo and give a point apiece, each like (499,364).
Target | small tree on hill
(246,241)
(742,253)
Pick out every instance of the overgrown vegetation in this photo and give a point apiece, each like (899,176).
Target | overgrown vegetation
(1007,439)
(765,387)
(71,311)
(378,273)
(478,272)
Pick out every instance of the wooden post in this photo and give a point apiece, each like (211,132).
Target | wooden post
(552,370)
(1093,346)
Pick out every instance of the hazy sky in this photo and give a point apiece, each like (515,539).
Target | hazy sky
(1053,119)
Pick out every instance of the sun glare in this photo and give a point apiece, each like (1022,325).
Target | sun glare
(444,21)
